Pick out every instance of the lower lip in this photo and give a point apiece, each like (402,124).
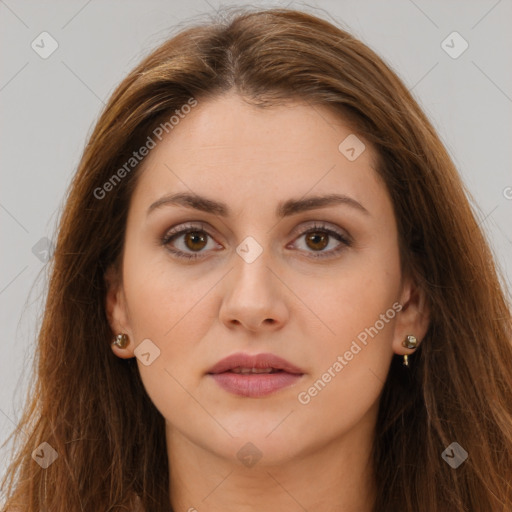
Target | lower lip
(256,384)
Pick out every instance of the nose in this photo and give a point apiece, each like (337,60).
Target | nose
(254,297)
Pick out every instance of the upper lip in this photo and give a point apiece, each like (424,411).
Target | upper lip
(260,361)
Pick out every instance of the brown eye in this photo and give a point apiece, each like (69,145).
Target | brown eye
(189,242)
(317,240)
(195,240)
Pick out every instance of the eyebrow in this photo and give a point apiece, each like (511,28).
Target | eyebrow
(284,208)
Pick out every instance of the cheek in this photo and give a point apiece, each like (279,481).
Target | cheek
(352,358)
(170,309)
(352,299)
(169,306)
(350,368)
(163,297)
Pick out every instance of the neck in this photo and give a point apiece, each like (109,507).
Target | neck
(334,477)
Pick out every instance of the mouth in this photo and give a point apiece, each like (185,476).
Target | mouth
(254,371)
(254,375)
(258,363)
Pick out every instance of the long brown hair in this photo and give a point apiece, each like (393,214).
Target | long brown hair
(91,406)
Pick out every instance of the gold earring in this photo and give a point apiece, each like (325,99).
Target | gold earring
(409,342)
(121,341)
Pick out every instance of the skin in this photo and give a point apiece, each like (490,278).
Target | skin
(307,310)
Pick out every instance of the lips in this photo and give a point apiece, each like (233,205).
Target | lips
(259,363)
(254,376)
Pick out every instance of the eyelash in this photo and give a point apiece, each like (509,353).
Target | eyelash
(191,228)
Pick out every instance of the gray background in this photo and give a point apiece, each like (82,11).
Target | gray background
(49,106)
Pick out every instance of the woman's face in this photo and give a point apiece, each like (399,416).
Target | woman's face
(263,271)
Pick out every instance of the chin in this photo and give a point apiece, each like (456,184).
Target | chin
(263,442)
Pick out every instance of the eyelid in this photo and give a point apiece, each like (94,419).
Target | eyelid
(320,225)
(198,226)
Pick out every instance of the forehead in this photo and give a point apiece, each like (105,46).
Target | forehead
(229,126)
(227,148)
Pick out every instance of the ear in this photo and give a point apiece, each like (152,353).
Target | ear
(116,311)
(413,318)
